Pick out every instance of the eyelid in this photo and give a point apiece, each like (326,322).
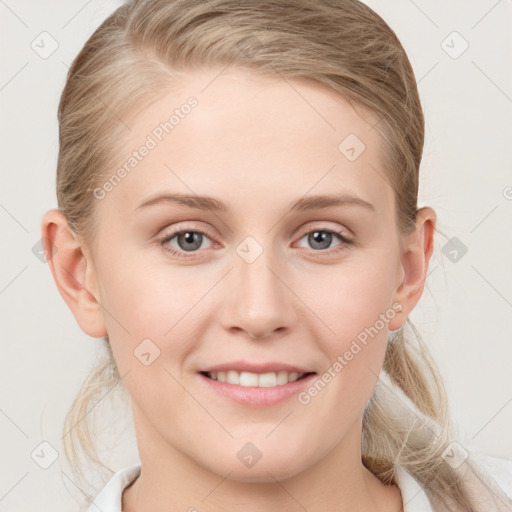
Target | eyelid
(170,232)
(320,226)
(346,241)
(323,226)
(164,242)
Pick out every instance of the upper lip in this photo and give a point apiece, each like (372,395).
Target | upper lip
(245,366)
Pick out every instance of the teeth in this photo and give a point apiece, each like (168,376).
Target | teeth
(249,379)
(232,377)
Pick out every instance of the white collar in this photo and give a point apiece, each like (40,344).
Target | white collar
(109,499)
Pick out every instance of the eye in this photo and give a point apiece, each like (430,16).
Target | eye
(320,239)
(189,240)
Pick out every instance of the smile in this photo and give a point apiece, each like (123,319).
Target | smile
(249,379)
(257,390)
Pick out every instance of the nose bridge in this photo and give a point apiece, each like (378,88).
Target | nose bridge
(260,301)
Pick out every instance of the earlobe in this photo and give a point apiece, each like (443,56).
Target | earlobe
(73,273)
(418,248)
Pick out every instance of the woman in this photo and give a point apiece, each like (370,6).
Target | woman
(268,365)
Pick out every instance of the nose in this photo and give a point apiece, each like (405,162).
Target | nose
(259,302)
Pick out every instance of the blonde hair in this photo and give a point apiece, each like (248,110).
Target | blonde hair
(137,54)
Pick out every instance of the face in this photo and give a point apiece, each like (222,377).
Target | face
(185,288)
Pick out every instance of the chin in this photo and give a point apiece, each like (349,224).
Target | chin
(250,465)
(260,473)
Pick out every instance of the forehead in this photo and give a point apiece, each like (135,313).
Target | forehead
(250,137)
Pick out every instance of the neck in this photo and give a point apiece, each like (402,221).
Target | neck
(170,480)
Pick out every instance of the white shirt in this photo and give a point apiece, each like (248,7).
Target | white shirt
(413,496)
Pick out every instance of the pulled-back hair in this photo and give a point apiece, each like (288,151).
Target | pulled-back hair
(140,51)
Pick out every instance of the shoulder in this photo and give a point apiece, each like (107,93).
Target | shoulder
(109,499)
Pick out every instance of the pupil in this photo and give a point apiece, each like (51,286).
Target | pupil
(320,237)
(190,238)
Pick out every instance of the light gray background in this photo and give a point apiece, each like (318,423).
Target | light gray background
(465,314)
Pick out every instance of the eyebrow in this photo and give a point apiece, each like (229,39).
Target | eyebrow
(212,204)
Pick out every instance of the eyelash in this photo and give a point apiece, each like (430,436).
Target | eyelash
(174,252)
(164,241)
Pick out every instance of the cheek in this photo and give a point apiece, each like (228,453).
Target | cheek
(355,297)
(147,298)
(356,304)
(160,303)
(358,314)
(150,335)
(134,307)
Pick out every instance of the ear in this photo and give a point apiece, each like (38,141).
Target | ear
(73,273)
(417,250)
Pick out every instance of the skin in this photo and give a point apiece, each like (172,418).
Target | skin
(258,144)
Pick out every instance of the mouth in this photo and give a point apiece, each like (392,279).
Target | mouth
(261,380)
(256,389)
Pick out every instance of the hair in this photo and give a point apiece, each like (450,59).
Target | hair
(138,54)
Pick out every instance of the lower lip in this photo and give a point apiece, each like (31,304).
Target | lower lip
(256,396)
